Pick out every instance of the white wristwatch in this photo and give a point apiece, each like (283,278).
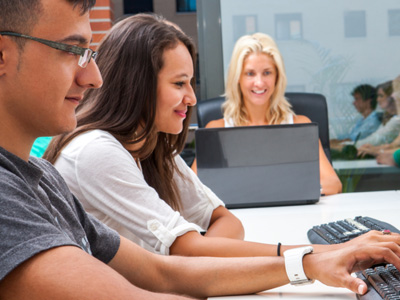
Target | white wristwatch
(294,265)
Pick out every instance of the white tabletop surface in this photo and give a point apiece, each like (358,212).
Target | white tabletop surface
(289,225)
(365,166)
(357,163)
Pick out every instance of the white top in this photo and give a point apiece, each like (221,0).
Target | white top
(385,134)
(104,176)
(230,123)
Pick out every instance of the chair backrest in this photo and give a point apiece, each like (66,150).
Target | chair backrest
(315,108)
(308,104)
(209,110)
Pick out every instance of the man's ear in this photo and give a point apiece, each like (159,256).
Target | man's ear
(2,62)
(8,50)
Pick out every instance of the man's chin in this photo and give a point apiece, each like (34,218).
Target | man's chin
(67,128)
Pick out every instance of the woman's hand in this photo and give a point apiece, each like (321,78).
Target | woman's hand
(373,237)
(366,149)
(386,158)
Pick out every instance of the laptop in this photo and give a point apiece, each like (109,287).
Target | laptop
(256,166)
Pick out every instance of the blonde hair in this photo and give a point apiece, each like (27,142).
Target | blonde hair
(233,106)
(396,92)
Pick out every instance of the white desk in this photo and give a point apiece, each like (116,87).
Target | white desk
(289,225)
(364,175)
(364,166)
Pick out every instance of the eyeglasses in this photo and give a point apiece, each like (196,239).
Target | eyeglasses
(85,53)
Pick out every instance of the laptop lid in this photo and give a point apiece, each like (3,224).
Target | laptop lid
(255,166)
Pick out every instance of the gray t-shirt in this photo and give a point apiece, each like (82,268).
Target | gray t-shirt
(38,212)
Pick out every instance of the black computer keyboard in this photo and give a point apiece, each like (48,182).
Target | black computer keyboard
(345,230)
(383,280)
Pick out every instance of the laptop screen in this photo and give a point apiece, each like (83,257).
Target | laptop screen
(255,166)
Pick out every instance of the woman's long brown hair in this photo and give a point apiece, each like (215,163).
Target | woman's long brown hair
(130,58)
(387,88)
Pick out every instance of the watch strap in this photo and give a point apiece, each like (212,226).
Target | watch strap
(294,265)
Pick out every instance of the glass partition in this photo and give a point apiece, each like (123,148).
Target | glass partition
(329,47)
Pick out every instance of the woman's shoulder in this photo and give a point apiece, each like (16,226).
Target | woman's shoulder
(216,123)
(94,141)
(301,119)
(395,119)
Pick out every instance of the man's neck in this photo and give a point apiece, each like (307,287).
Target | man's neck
(16,141)
(16,149)
(366,113)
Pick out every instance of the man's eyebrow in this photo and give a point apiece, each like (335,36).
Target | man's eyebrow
(75,39)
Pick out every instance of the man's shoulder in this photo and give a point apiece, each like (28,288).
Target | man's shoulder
(11,165)
(375,115)
(17,173)
(373,118)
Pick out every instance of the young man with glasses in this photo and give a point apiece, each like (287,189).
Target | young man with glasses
(50,248)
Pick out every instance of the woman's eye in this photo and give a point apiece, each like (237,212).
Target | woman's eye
(179,83)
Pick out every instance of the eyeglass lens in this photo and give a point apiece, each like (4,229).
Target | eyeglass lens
(85,58)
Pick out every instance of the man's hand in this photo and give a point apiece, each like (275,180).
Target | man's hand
(339,264)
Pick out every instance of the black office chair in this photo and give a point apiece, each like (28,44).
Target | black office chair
(315,108)
(308,104)
(208,110)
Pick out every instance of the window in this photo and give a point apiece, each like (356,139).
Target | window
(295,88)
(243,25)
(354,24)
(185,5)
(134,7)
(394,22)
(288,27)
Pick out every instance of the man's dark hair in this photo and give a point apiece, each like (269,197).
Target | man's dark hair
(22,15)
(366,92)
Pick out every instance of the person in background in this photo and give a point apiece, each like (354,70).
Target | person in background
(254,92)
(390,154)
(365,103)
(390,127)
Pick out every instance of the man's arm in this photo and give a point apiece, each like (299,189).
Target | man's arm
(68,272)
(198,276)
(210,276)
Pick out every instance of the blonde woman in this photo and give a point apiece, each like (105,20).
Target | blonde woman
(255,88)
